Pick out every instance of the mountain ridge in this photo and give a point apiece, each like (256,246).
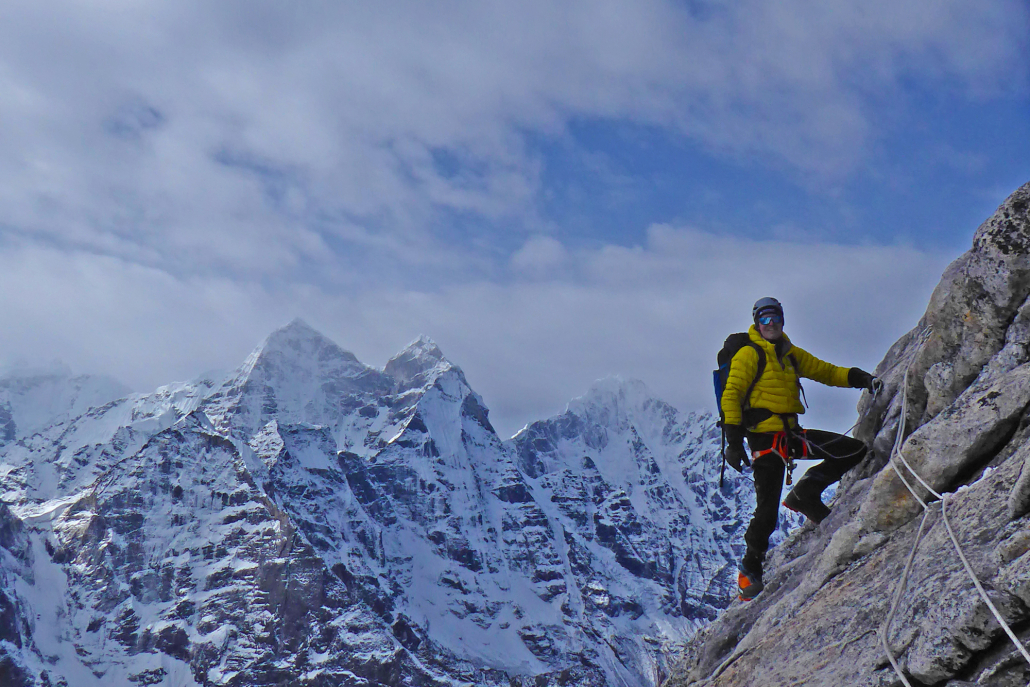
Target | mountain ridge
(306,493)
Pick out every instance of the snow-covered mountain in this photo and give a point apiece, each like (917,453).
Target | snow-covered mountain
(312,520)
(32,399)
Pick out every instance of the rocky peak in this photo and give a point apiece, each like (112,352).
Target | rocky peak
(967,321)
(417,363)
(1007,232)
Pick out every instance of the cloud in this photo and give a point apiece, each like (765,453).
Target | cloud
(657,312)
(540,255)
(264,140)
(179,178)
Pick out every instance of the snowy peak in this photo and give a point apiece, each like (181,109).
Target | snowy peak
(299,339)
(417,363)
(296,375)
(299,353)
(631,482)
(613,391)
(616,401)
(32,399)
(321,493)
(296,330)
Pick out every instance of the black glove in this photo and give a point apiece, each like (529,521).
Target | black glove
(860,379)
(736,456)
(735,453)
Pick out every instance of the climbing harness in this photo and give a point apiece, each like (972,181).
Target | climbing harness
(805,449)
(903,582)
(781,447)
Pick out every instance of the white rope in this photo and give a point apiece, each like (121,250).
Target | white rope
(885,627)
(965,562)
(896,453)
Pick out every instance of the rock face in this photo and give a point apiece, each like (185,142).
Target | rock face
(310,520)
(830,588)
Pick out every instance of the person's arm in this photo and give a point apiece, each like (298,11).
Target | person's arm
(821,371)
(743,369)
(735,454)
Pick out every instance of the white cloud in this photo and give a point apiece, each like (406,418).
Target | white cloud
(260,138)
(179,177)
(539,256)
(658,312)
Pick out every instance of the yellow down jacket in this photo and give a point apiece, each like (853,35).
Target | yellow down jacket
(777,389)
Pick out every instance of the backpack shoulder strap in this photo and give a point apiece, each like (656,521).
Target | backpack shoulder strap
(758,373)
(797,371)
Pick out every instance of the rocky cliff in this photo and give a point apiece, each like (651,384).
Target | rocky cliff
(967,433)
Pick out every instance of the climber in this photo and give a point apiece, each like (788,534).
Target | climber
(768,418)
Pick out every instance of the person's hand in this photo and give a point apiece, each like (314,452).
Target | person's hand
(860,379)
(736,456)
(735,453)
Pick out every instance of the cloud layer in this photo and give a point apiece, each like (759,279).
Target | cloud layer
(262,139)
(657,312)
(179,178)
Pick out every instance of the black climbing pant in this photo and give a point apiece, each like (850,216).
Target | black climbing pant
(838,453)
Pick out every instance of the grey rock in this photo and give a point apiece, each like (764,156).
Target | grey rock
(829,589)
(966,434)
(1019,497)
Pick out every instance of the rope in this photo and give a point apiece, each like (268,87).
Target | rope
(965,561)
(842,435)
(903,583)
(813,447)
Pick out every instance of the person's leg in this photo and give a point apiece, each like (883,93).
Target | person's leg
(839,454)
(768,473)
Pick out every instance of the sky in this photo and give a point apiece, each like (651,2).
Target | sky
(553,192)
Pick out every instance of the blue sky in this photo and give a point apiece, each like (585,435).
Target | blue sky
(553,192)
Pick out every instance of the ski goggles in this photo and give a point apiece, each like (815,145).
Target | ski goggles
(770,319)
